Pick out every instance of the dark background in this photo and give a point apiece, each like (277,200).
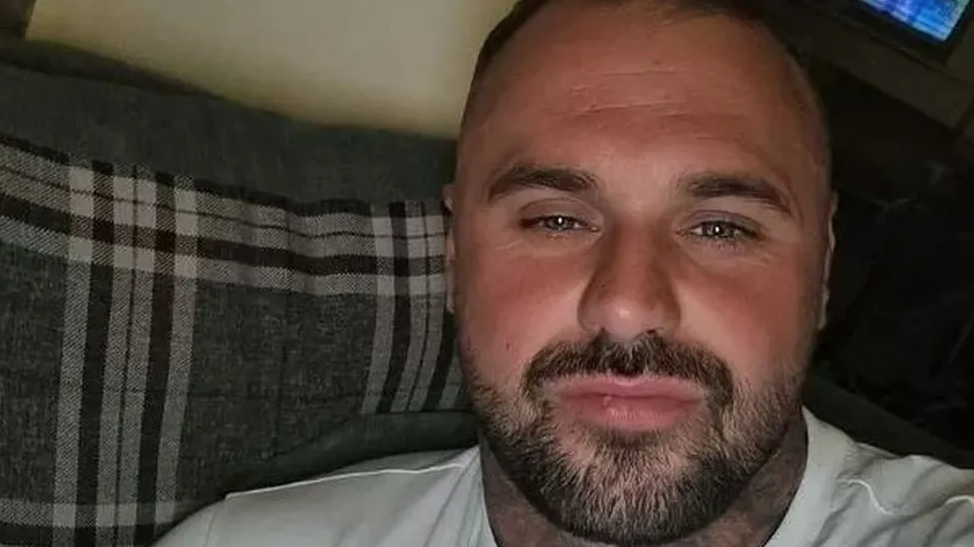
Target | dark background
(902,310)
(14,15)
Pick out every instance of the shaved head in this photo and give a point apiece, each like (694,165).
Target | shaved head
(745,10)
(663,12)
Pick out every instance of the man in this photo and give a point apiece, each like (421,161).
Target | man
(638,269)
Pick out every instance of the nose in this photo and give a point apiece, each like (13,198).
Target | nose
(630,292)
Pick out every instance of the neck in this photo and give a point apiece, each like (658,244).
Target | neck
(749,522)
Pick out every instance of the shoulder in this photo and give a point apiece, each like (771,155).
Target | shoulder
(906,484)
(403,494)
(901,500)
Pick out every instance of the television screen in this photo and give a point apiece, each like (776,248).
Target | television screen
(934,19)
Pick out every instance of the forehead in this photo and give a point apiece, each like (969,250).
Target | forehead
(617,85)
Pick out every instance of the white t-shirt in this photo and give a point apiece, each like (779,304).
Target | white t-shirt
(851,495)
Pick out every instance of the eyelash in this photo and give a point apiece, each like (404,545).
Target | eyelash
(738,234)
(538,223)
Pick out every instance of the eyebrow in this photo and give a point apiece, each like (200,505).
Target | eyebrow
(525,177)
(699,186)
(712,186)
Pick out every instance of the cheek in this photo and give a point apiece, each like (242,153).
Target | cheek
(760,322)
(511,305)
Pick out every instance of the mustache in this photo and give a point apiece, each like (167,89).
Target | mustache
(650,354)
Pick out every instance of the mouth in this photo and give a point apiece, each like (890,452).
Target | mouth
(637,405)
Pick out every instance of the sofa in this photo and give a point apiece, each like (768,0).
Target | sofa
(198,298)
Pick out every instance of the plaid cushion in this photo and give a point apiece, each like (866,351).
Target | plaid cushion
(158,334)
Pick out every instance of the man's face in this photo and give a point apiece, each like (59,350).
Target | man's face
(637,262)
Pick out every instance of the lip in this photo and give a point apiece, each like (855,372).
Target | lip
(643,404)
(641,387)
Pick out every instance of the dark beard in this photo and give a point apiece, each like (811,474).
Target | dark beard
(638,489)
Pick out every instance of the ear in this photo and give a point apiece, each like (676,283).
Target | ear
(450,244)
(827,271)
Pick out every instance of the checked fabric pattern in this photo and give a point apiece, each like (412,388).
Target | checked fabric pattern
(159,333)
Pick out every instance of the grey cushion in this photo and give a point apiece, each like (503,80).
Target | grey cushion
(58,60)
(189,288)
(162,335)
(176,132)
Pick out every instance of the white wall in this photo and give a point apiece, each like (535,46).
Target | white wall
(401,64)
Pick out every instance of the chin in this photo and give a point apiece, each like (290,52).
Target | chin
(649,457)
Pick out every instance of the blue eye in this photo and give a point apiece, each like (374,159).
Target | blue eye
(721,231)
(556,223)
